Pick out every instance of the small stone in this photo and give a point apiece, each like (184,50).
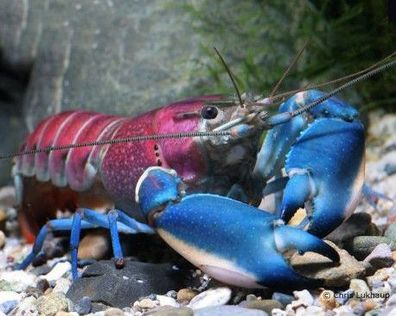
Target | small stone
(27,307)
(146,303)
(58,271)
(166,301)
(52,303)
(172,311)
(228,310)
(7,196)
(40,270)
(284,299)
(62,285)
(380,257)
(5,285)
(314,311)
(18,280)
(61,313)
(344,296)
(94,245)
(278,312)
(185,295)
(113,312)
(2,239)
(211,297)
(42,285)
(264,305)
(303,298)
(327,299)
(360,287)
(315,266)
(9,300)
(83,306)
(380,276)
(362,246)
(390,232)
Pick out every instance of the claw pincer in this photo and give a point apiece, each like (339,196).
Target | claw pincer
(233,242)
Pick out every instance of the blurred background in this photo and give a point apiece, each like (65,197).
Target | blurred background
(126,57)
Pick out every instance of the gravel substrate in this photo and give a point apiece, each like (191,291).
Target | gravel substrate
(363,284)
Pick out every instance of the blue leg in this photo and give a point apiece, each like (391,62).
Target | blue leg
(115,239)
(53,225)
(297,191)
(75,241)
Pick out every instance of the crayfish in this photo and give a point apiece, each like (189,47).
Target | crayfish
(79,158)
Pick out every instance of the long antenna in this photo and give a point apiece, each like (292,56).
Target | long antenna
(230,75)
(291,65)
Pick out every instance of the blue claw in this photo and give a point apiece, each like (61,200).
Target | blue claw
(233,242)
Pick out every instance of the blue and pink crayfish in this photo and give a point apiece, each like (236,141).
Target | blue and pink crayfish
(200,193)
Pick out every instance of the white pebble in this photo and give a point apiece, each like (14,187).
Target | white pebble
(58,271)
(167,301)
(62,285)
(303,298)
(19,280)
(212,297)
(6,296)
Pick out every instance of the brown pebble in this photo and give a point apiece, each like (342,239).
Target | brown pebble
(264,305)
(2,239)
(113,312)
(95,245)
(3,219)
(327,299)
(185,295)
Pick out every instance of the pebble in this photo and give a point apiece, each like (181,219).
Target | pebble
(185,295)
(314,311)
(2,239)
(380,276)
(264,305)
(327,299)
(62,285)
(83,306)
(172,311)
(58,271)
(49,305)
(19,280)
(356,225)
(211,297)
(166,301)
(145,304)
(380,257)
(360,287)
(228,310)
(303,298)
(344,296)
(42,285)
(27,307)
(9,300)
(362,246)
(284,299)
(390,232)
(315,266)
(94,245)
(113,312)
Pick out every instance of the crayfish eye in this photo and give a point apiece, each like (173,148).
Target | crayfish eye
(209,112)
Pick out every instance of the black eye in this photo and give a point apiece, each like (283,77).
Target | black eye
(209,112)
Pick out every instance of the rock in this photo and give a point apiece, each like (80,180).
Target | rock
(211,297)
(2,239)
(362,246)
(66,314)
(380,257)
(9,300)
(102,282)
(171,311)
(166,301)
(40,270)
(228,310)
(42,285)
(113,312)
(390,232)
(18,280)
(62,285)
(83,306)
(356,225)
(185,295)
(58,271)
(303,298)
(3,219)
(278,312)
(27,307)
(360,287)
(145,304)
(315,266)
(264,305)
(7,197)
(380,275)
(94,245)
(284,299)
(314,311)
(327,299)
(49,305)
